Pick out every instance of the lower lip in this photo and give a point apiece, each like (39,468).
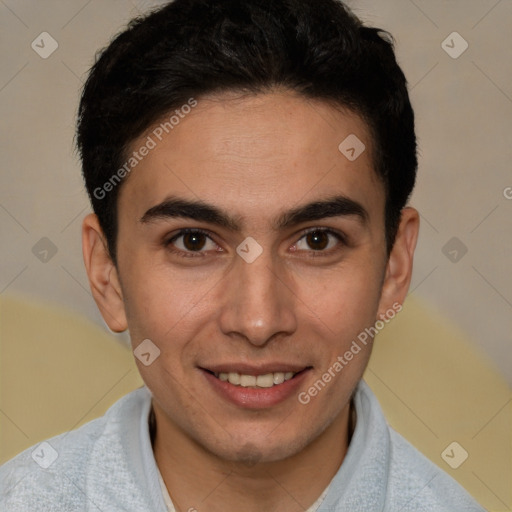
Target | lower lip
(256,398)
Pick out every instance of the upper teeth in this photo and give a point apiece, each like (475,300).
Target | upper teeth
(263,381)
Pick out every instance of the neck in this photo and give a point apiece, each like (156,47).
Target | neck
(198,479)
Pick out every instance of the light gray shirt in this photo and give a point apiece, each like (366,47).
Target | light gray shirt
(108,465)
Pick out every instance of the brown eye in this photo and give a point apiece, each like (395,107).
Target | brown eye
(320,240)
(194,241)
(188,242)
(317,240)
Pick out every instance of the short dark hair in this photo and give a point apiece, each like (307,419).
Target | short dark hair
(191,48)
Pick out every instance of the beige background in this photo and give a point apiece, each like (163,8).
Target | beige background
(464,124)
(59,371)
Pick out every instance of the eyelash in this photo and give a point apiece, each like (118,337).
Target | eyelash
(194,254)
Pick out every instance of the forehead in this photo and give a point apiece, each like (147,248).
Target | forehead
(253,155)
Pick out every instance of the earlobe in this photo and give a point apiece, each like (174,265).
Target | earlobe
(400,262)
(102,273)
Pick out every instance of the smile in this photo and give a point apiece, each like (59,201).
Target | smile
(256,387)
(267,380)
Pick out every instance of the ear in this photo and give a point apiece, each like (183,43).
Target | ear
(399,266)
(102,273)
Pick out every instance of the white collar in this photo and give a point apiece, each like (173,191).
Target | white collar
(170,506)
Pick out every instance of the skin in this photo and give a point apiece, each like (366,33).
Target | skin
(255,158)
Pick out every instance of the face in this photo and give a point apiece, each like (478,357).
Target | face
(251,250)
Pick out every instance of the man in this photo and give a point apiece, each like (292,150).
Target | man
(249,165)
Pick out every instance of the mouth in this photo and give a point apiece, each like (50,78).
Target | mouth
(266,380)
(256,388)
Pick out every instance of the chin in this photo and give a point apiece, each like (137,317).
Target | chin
(249,451)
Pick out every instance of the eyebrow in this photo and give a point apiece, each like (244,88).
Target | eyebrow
(175,207)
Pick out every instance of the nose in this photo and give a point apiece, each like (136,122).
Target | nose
(257,304)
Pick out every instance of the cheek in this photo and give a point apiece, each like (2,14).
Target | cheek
(158,298)
(344,300)
(165,312)
(170,310)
